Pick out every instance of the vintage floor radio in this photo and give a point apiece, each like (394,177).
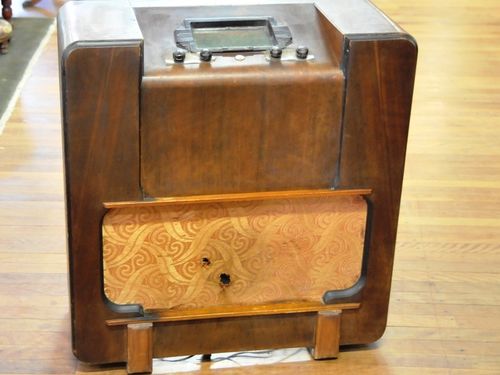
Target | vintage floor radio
(233,174)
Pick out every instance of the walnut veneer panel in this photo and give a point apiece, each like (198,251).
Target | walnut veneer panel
(273,251)
(236,131)
(240,126)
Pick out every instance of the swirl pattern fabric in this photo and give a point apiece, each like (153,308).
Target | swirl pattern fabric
(199,255)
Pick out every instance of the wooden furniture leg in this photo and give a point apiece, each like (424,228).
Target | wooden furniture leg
(6,9)
(327,338)
(140,348)
(30,3)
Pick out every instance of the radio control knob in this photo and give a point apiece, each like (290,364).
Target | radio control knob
(276,52)
(179,56)
(302,52)
(205,55)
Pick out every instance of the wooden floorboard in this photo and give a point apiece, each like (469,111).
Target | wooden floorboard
(445,306)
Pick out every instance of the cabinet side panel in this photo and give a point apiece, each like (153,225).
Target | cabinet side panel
(100,100)
(380,76)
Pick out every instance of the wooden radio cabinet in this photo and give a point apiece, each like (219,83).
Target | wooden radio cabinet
(233,174)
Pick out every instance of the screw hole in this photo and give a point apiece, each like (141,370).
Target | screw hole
(225,279)
(205,262)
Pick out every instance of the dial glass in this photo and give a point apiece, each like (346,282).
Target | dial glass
(233,35)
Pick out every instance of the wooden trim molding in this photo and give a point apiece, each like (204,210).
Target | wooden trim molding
(240,197)
(165,316)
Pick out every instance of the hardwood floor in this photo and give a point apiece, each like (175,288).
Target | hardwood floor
(445,307)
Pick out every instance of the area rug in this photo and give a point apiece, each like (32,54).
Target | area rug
(28,40)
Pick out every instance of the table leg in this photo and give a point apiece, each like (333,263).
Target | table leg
(6,9)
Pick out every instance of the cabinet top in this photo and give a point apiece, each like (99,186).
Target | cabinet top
(103,22)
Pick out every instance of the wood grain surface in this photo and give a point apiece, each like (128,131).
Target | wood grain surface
(140,348)
(258,139)
(102,134)
(327,335)
(92,176)
(377,109)
(443,316)
(225,311)
(190,256)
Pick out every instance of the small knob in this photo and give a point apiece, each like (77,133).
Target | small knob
(179,56)
(302,52)
(205,55)
(276,52)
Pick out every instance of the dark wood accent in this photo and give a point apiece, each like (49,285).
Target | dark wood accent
(6,9)
(327,337)
(100,103)
(139,348)
(234,334)
(380,75)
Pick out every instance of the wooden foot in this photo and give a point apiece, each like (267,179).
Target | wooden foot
(327,338)
(140,348)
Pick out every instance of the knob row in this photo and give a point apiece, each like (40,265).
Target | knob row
(206,55)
